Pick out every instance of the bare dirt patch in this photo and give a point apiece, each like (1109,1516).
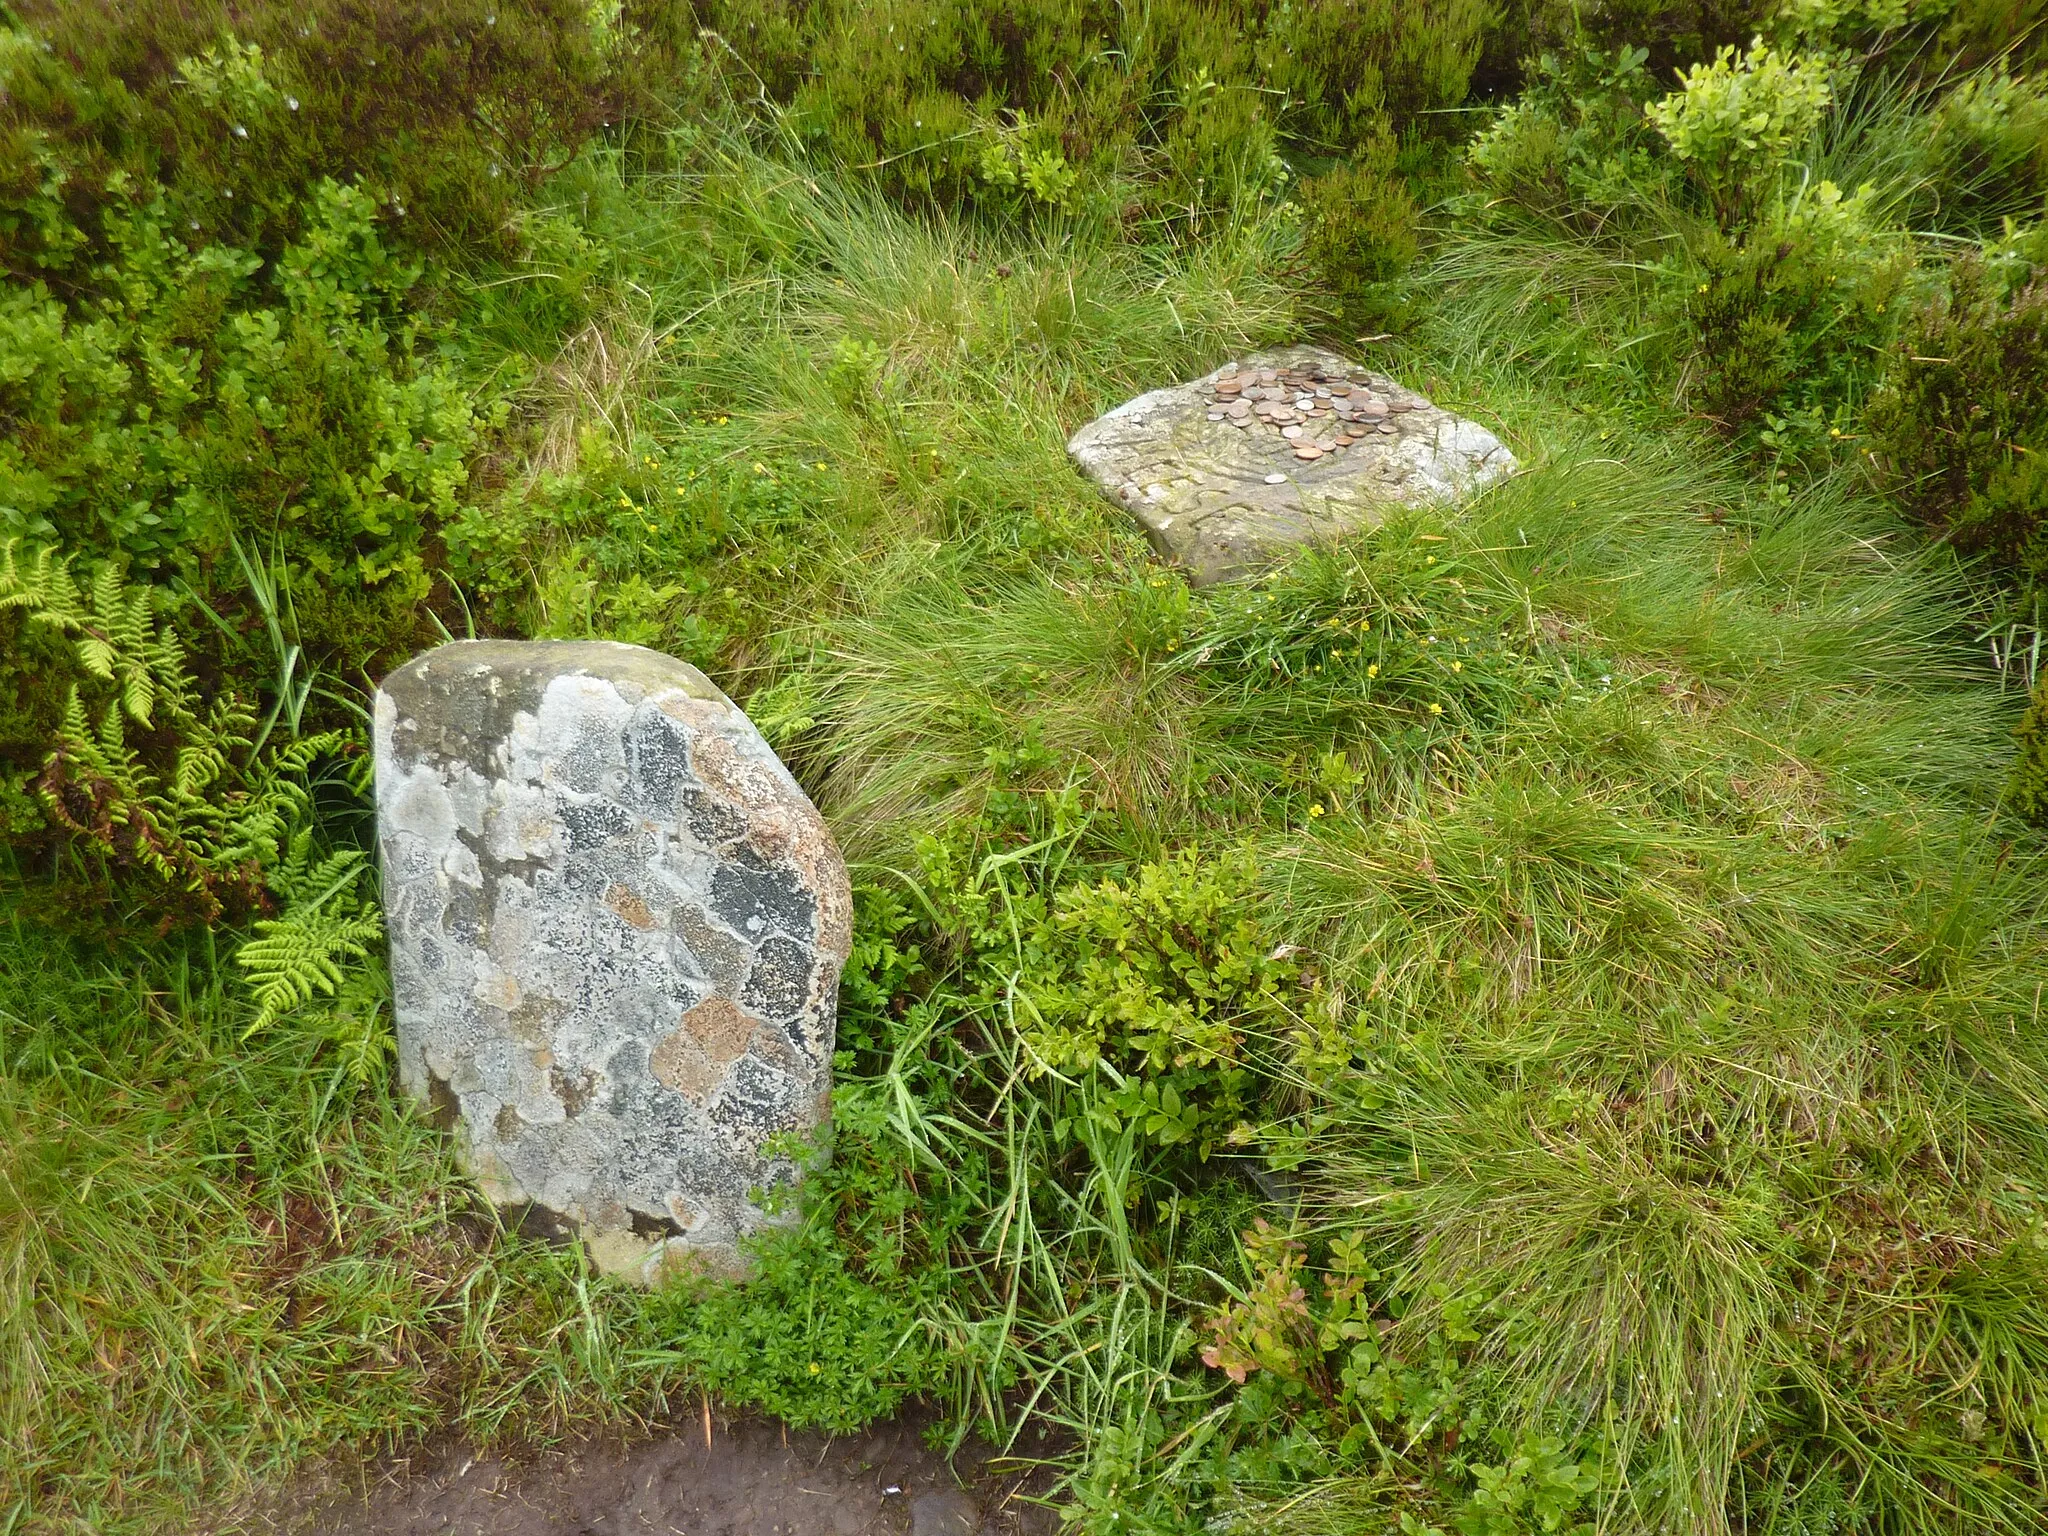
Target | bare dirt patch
(754,1479)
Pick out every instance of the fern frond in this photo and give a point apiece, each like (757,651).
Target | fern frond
(19,589)
(295,957)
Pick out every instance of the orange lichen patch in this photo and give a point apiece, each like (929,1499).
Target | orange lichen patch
(677,1062)
(720,1027)
(625,902)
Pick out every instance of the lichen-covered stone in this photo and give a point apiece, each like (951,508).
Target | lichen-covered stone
(1225,500)
(616,929)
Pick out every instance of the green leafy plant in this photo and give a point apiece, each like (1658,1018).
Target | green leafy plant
(154,796)
(1176,116)
(1736,122)
(329,921)
(1575,146)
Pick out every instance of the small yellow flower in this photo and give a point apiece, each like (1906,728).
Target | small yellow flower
(819,466)
(1373,670)
(815,1368)
(1457,666)
(1430,561)
(1315,810)
(760,469)
(1436,709)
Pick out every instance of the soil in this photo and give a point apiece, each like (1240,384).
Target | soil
(755,1478)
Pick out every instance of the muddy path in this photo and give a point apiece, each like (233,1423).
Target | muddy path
(753,1478)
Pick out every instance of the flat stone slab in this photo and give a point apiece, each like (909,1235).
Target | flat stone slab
(1279,449)
(617,927)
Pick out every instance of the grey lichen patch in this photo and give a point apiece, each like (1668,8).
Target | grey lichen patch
(1275,450)
(617,927)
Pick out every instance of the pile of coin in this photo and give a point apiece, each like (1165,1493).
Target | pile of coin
(1315,413)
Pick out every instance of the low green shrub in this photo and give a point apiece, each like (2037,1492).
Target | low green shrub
(1785,324)
(1736,122)
(1575,146)
(186,396)
(1360,236)
(1960,432)
(449,114)
(808,1339)
(1672,34)
(1990,142)
(1170,114)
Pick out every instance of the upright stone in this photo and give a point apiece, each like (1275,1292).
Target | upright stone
(616,933)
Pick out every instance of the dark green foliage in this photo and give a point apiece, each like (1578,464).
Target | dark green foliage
(1989,140)
(1787,320)
(1060,104)
(1671,33)
(1960,433)
(196,396)
(160,807)
(1360,236)
(1575,147)
(448,113)
(2028,791)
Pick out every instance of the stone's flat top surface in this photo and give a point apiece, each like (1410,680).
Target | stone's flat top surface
(462,698)
(1277,449)
(616,931)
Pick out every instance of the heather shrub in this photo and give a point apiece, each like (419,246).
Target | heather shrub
(1173,113)
(1785,323)
(449,114)
(1360,235)
(1959,433)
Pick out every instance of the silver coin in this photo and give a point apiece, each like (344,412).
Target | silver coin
(1290,432)
(1276,479)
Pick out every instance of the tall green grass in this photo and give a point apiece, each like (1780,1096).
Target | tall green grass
(1670,983)
(1689,979)
(218,1257)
